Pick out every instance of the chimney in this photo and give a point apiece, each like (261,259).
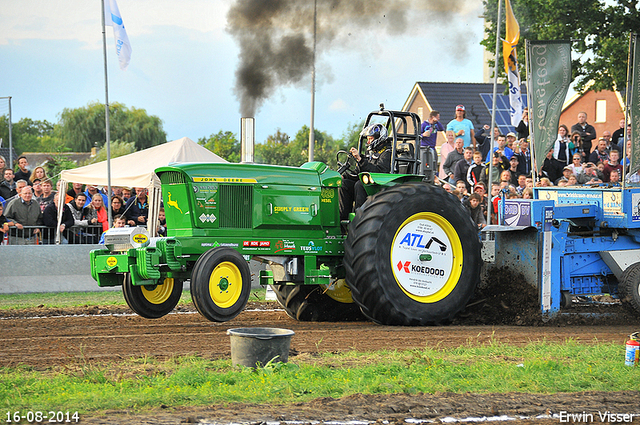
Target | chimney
(247,139)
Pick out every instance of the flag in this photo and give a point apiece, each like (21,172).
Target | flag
(549,77)
(511,65)
(634,104)
(113,19)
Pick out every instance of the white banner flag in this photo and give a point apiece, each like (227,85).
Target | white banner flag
(113,18)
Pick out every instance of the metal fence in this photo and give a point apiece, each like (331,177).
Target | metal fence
(42,235)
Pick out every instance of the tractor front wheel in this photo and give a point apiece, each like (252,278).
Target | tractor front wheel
(152,301)
(220,284)
(412,256)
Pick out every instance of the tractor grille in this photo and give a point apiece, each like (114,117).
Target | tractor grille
(236,204)
(171,177)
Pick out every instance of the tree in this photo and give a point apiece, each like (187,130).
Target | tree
(29,135)
(276,150)
(600,31)
(117,148)
(224,144)
(83,128)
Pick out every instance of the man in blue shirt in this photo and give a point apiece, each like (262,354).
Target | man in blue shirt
(430,130)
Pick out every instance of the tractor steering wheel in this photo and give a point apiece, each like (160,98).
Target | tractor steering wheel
(350,165)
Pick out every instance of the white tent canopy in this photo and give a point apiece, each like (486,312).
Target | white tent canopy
(137,169)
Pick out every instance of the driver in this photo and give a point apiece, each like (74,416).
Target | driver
(377,160)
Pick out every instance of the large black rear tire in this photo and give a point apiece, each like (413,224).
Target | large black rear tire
(412,256)
(311,303)
(220,284)
(152,301)
(629,288)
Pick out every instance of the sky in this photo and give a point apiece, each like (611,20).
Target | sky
(184,61)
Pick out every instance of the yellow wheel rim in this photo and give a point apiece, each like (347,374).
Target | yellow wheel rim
(157,294)
(339,291)
(426,257)
(225,284)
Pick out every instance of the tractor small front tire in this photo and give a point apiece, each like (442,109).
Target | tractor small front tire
(220,284)
(152,301)
(412,256)
(629,288)
(309,303)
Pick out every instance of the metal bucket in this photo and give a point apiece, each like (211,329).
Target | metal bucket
(254,347)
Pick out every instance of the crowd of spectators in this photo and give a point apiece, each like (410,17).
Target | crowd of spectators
(578,157)
(29,209)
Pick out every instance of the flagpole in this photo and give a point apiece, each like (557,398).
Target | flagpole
(493,113)
(106,117)
(312,135)
(534,171)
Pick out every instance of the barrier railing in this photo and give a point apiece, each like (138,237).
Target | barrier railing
(42,235)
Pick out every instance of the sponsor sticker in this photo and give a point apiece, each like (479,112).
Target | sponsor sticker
(421,258)
(112,261)
(140,238)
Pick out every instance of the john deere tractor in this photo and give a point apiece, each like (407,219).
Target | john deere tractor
(409,256)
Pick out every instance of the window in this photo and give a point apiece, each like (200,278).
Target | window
(601,110)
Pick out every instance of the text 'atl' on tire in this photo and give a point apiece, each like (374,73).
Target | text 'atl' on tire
(317,303)
(220,284)
(152,301)
(629,288)
(412,256)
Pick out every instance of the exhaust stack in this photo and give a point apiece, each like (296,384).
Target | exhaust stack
(247,139)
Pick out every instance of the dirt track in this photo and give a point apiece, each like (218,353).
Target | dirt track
(55,340)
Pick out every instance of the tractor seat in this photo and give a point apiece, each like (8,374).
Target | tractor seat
(405,158)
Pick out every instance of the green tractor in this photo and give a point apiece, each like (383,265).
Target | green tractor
(409,256)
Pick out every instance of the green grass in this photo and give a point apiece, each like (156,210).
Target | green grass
(78,299)
(141,383)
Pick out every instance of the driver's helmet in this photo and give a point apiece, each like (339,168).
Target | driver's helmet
(379,133)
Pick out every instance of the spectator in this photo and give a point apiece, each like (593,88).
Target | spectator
(445,149)
(92,190)
(99,210)
(82,218)
(522,184)
(495,198)
(162,223)
(24,211)
(475,210)
(476,170)
(50,219)
(618,136)
(483,141)
(612,164)
(561,146)
(573,180)
(614,177)
(75,189)
(523,153)
(3,165)
(19,185)
(599,154)
(586,130)
(462,166)
(462,127)
(452,159)
(575,146)
(430,130)
(527,193)
(116,190)
(38,173)
(551,167)
(47,194)
(461,187)
(126,194)
(545,182)
(606,136)
(589,174)
(503,148)
(138,208)
(576,164)
(8,185)
(513,168)
(523,126)
(23,172)
(118,221)
(37,188)
(498,165)
(566,173)
(117,206)
(511,140)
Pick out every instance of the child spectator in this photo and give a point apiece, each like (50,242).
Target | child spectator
(527,193)
(476,170)
(118,221)
(473,206)
(162,223)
